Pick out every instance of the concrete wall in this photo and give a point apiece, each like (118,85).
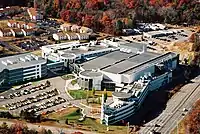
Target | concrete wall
(136,75)
(111,76)
(160,81)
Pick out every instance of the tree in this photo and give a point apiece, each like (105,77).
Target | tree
(4,125)
(88,21)
(17,128)
(99,100)
(105,95)
(43,131)
(93,92)
(49,131)
(66,121)
(47,83)
(87,96)
(119,25)
(92,4)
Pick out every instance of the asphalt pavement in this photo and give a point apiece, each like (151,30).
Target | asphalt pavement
(172,115)
(56,82)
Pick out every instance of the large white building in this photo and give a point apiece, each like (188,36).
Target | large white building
(82,51)
(132,72)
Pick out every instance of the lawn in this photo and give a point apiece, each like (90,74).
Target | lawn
(64,114)
(68,77)
(79,94)
(74,82)
(88,124)
(82,94)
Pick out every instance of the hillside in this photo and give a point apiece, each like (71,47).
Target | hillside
(111,16)
(4,3)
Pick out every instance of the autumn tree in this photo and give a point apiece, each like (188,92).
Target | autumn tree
(17,128)
(88,21)
(192,120)
(92,4)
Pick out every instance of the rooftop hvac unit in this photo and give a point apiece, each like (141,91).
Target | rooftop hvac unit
(5,63)
(22,59)
(10,62)
(121,49)
(28,58)
(34,56)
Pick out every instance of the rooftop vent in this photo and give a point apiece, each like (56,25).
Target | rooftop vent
(10,62)
(22,59)
(5,63)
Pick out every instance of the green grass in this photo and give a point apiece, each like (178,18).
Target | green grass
(78,94)
(88,124)
(82,94)
(74,82)
(73,116)
(68,77)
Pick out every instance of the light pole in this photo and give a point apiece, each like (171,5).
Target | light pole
(128,128)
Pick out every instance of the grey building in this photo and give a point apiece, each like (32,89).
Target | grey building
(22,67)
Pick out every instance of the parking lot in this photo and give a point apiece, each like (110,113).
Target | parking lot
(32,45)
(40,97)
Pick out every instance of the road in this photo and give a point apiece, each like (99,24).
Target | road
(170,117)
(54,129)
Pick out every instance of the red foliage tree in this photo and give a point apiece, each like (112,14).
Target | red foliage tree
(108,24)
(92,4)
(17,128)
(88,21)
(193,120)
(130,3)
(67,15)
(73,4)
(56,4)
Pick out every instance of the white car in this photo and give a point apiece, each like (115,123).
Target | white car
(2,97)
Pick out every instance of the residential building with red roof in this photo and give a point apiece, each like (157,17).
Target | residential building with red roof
(5,32)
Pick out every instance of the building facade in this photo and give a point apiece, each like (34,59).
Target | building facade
(23,67)
(90,79)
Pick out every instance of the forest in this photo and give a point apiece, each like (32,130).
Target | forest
(110,16)
(192,121)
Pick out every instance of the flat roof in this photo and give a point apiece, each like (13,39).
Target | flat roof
(131,62)
(69,55)
(105,60)
(133,45)
(77,51)
(122,95)
(90,73)
(119,62)
(16,61)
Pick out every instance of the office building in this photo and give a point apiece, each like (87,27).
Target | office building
(22,67)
